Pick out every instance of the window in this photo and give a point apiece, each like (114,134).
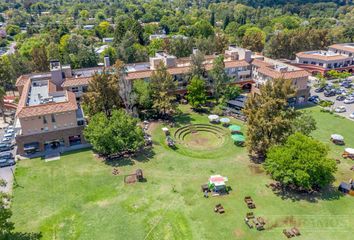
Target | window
(74,89)
(321,64)
(313,63)
(306,62)
(44,120)
(53,118)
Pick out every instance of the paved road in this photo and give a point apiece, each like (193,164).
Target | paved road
(349,107)
(6,174)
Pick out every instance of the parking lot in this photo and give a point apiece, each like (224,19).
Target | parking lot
(349,107)
(6,173)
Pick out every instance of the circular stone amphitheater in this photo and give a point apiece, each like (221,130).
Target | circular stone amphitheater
(200,136)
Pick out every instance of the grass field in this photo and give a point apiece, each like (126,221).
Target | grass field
(77,197)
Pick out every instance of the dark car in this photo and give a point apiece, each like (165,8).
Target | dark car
(5,147)
(6,155)
(318,90)
(340,98)
(329,93)
(313,98)
(7,162)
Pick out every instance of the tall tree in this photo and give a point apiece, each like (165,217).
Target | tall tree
(196,92)
(301,162)
(40,59)
(197,65)
(102,95)
(269,118)
(2,105)
(162,90)
(219,77)
(125,86)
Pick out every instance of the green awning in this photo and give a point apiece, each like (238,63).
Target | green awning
(235,128)
(238,138)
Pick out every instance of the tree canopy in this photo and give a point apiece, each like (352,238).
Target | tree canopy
(115,134)
(301,162)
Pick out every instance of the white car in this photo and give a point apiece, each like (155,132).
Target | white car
(351,115)
(10,130)
(340,109)
(8,135)
(349,100)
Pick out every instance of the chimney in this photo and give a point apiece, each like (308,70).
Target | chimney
(56,72)
(106,62)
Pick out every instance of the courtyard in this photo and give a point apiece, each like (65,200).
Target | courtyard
(78,197)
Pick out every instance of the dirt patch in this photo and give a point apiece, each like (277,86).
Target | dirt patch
(256,169)
(239,233)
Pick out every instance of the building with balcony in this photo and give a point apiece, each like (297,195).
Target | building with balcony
(339,57)
(265,69)
(47,116)
(236,60)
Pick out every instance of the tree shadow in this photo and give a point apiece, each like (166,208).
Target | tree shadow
(329,193)
(183,119)
(129,159)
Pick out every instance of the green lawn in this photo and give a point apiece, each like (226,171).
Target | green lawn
(77,197)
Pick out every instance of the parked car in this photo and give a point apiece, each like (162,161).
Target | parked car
(349,100)
(5,147)
(313,98)
(340,109)
(6,155)
(6,139)
(318,90)
(7,162)
(10,130)
(8,135)
(351,115)
(340,98)
(329,93)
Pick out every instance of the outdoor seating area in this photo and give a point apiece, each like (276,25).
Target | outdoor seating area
(348,153)
(214,118)
(249,201)
(293,232)
(347,188)
(337,139)
(236,135)
(219,209)
(135,177)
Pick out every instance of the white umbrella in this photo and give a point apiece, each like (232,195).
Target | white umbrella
(165,129)
(213,117)
(225,120)
(349,150)
(337,137)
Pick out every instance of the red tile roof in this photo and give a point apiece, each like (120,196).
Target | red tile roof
(343,47)
(71,82)
(260,63)
(21,80)
(321,57)
(286,74)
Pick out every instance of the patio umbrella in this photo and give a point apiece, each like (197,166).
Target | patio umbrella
(224,120)
(349,150)
(337,137)
(238,138)
(235,128)
(165,129)
(213,117)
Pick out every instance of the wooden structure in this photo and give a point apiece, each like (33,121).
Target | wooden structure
(139,175)
(250,204)
(219,209)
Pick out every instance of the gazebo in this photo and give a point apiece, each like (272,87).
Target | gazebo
(235,129)
(213,118)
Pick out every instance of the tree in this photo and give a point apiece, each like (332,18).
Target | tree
(125,86)
(202,28)
(304,123)
(102,95)
(40,59)
(12,30)
(231,92)
(2,107)
(196,92)
(162,90)
(254,39)
(301,162)
(269,118)
(197,65)
(115,134)
(142,92)
(219,77)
